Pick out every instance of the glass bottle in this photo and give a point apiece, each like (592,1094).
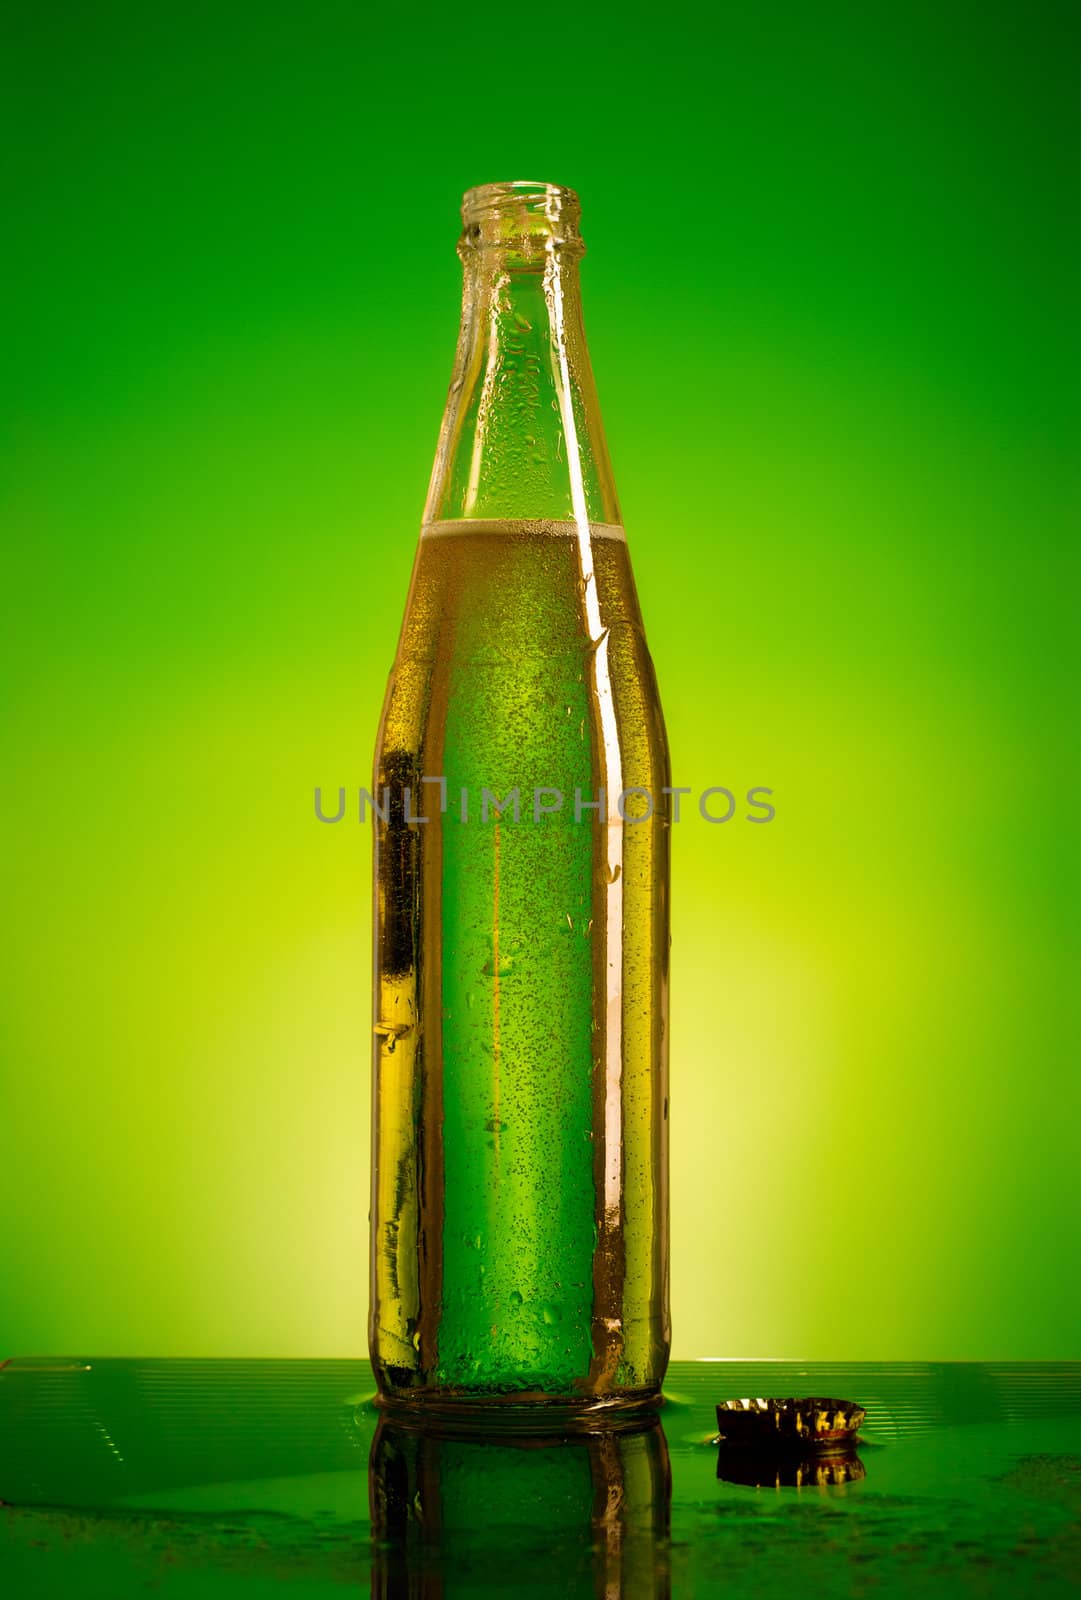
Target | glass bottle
(519,1252)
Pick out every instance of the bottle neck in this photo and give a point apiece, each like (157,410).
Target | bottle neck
(522,437)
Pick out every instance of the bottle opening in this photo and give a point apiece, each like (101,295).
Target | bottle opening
(523,216)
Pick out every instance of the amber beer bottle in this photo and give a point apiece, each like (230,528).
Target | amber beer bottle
(519,1251)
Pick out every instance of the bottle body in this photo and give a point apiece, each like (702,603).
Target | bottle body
(519,1209)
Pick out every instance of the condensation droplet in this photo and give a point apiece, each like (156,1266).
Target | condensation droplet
(390,1033)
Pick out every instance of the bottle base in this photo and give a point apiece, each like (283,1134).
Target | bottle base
(525,1413)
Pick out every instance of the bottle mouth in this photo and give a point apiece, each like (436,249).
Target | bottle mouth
(522,216)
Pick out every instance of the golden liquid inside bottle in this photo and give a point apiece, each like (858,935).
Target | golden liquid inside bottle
(519,1195)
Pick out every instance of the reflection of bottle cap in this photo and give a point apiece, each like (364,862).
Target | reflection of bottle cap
(806,1422)
(770,1468)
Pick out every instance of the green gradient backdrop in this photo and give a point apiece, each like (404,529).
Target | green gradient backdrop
(829,307)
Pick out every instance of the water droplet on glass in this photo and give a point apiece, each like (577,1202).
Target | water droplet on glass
(390,1033)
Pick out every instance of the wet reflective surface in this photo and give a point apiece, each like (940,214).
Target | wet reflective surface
(259,1478)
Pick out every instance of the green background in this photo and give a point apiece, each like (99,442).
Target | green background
(830,297)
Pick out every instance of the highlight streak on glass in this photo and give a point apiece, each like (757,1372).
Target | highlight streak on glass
(612,775)
(491,371)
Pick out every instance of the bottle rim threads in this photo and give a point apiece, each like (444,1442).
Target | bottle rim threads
(521,215)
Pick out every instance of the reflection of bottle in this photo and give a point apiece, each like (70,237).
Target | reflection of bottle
(519,1212)
(591,1511)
